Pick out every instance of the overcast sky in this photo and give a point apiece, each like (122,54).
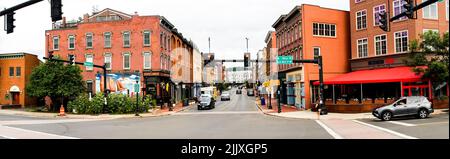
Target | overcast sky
(227,22)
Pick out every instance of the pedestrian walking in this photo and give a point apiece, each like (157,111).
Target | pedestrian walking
(318,109)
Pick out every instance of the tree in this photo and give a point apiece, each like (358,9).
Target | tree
(56,80)
(432,51)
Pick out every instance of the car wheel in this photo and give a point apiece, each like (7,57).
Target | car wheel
(386,116)
(423,114)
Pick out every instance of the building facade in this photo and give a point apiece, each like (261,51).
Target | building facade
(307,32)
(374,48)
(237,75)
(15,71)
(146,49)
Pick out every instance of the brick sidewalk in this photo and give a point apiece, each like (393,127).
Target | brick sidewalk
(274,103)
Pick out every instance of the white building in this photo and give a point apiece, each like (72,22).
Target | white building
(238,75)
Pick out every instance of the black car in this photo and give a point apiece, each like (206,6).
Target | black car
(238,91)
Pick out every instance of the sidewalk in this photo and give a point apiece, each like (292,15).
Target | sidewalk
(274,104)
(308,114)
(163,112)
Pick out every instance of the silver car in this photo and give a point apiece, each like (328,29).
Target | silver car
(206,101)
(405,106)
(225,96)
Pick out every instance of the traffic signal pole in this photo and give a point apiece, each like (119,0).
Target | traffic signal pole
(19,6)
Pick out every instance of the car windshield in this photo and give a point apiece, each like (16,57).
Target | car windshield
(205,98)
(225,93)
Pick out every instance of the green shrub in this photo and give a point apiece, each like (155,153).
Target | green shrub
(80,105)
(117,104)
(97,103)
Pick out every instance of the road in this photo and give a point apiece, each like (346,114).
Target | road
(235,119)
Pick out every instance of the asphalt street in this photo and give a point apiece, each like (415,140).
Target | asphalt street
(238,118)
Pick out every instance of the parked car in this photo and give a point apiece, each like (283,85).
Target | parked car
(405,106)
(206,101)
(238,91)
(250,92)
(225,96)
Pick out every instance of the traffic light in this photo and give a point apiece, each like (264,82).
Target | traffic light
(384,21)
(56,10)
(246,60)
(209,59)
(409,7)
(9,22)
(71,59)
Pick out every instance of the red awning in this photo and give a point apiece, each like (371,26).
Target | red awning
(384,75)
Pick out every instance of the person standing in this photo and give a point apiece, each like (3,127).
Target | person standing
(318,109)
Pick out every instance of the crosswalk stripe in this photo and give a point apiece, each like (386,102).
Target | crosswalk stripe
(329,130)
(18,133)
(385,130)
(402,123)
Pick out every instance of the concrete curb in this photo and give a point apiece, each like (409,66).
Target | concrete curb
(75,116)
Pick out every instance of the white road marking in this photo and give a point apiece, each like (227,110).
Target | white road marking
(34,122)
(218,112)
(329,130)
(13,133)
(386,130)
(7,137)
(401,123)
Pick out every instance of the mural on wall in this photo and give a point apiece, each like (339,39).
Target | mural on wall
(118,83)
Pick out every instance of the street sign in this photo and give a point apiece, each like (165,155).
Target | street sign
(136,88)
(88,64)
(285,60)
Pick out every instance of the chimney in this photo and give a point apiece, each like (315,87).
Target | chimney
(86,18)
(64,21)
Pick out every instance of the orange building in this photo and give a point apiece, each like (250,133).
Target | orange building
(15,70)
(305,33)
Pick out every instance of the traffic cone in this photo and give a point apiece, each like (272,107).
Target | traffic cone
(62,111)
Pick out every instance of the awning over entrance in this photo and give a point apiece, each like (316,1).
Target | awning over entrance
(384,75)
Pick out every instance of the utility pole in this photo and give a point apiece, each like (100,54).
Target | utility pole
(209,44)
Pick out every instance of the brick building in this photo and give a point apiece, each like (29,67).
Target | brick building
(379,74)
(15,70)
(304,33)
(147,49)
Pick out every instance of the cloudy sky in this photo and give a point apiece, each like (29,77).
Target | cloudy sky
(227,22)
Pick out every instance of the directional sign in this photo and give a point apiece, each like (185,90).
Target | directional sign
(136,88)
(284,60)
(88,64)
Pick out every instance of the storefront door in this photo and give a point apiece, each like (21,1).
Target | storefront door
(15,98)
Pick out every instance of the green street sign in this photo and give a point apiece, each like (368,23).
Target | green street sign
(88,64)
(284,60)
(136,88)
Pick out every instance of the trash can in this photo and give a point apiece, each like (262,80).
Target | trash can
(263,101)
